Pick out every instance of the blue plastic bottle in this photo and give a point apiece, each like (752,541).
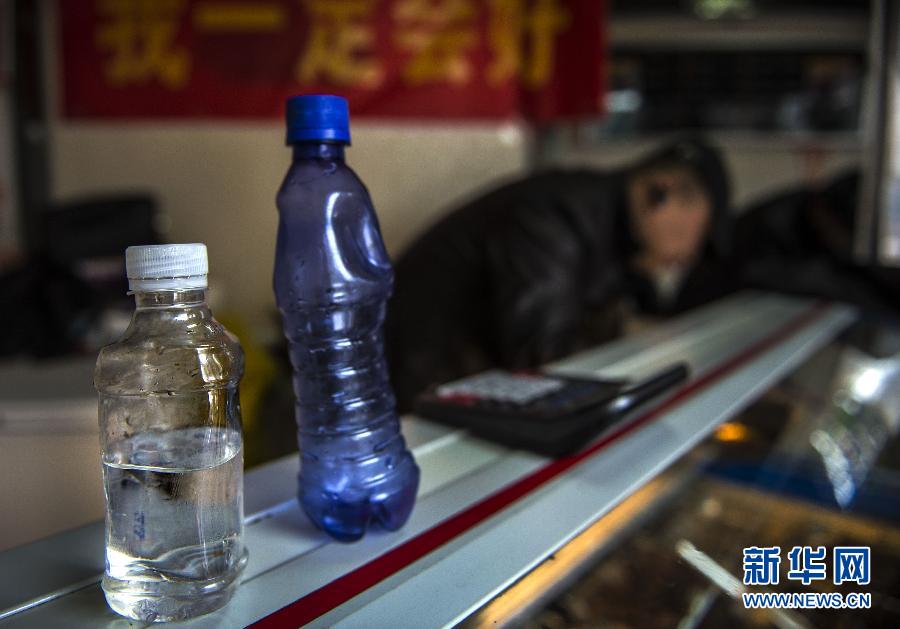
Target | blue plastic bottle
(332,281)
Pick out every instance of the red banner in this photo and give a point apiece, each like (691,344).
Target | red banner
(542,59)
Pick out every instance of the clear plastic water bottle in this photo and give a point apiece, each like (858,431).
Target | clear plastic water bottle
(172,451)
(332,281)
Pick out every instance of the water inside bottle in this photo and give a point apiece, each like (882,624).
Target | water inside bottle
(174,522)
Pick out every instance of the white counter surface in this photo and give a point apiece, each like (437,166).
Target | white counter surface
(485,514)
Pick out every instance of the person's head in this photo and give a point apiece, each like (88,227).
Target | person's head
(676,198)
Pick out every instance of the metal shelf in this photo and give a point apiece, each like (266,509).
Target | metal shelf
(789,31)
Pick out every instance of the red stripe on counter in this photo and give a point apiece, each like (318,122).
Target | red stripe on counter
(316,603)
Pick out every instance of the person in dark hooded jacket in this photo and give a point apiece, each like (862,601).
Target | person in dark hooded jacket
(543,266)
(800,242)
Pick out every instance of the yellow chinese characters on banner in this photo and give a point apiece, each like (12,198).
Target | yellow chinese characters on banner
(439,35)
(140,39)
(514,28)
(404,58)
(340,44)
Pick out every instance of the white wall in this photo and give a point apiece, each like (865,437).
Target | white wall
(217,182)
(51,482)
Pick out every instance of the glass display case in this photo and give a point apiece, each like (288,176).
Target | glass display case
(815,462)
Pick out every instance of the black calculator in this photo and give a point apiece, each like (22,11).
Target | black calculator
(545,413)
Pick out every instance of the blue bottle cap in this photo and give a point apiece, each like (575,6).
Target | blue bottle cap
(320,117)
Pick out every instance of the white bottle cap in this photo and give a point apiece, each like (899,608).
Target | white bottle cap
(166,267)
